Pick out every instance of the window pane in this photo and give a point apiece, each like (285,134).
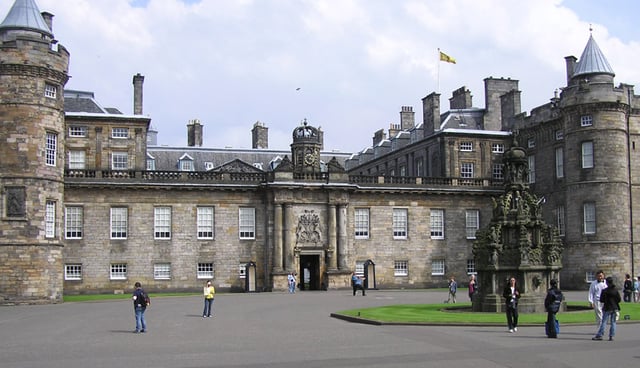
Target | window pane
(162,271)
(466,170)
(162,222)
(361,223)
(118,271)
(120,133)
(205,270)
(400,223)
(498,173)
(400,268)
(437,224)
(119,223)
(77,131)
(471,266)
(76,159)
(51,145)
(205,222)
(50,90)
(589,218)
(73,272)
(247,223)
(50,219)
(73,222)
(587,155)
(559,163)
(119,161)
(473,223)
(437,267)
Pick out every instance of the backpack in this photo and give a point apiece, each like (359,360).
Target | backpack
(143,299)
(557,301)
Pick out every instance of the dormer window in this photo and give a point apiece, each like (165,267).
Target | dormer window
(151,162)
(185,163)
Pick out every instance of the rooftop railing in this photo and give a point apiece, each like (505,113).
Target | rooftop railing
(208,177)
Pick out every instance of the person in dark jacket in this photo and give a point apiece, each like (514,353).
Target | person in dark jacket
(139,307)
(627,289)
(511,294)
(552,304)
(610,299)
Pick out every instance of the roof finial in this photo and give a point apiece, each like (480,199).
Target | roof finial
(590,28)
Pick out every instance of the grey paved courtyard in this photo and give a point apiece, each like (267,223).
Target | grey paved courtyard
(283,330)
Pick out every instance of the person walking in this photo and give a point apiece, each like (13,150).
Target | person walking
(595,289)
(552,303)
(473,287)
(140,301)
(636,290)
(209,294)
(511,294)
(627,288)
(453,288)
(357,283)
(291,279)
(610,298)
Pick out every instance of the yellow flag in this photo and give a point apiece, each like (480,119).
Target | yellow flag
(446,58)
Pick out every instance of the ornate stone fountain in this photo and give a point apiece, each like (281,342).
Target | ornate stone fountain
(516,243)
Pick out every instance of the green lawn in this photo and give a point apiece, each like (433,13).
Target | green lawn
(459,314)
(98,297)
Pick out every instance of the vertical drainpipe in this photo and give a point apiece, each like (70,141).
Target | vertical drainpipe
(631,237)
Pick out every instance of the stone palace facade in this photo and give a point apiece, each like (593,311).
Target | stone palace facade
(90,203)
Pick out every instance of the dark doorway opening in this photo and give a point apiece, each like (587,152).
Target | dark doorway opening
(309,275)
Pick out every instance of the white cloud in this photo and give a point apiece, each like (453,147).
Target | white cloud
(231,63)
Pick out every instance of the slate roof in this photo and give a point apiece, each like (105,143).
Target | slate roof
(167,158)
(81,101)
(592,61)
(25,15)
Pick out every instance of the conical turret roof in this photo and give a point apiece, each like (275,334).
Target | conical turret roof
(592,61)
(25,15)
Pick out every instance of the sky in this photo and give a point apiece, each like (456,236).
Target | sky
(346,66)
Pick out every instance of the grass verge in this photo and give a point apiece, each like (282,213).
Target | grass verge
(99,297)
(459,314)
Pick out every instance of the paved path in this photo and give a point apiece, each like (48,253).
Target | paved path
(285,331)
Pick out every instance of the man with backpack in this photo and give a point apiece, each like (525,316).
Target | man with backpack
(552,304)
(140,302)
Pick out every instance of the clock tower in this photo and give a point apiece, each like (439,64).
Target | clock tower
(305,149)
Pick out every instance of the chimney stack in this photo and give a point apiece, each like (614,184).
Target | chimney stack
(407,118)
(260,136)
(194,133)
(48,18)
(138,81)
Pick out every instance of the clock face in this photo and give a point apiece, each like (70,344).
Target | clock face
(309,159)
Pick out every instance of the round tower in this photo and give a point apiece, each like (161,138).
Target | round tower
(33,72)
(597,186)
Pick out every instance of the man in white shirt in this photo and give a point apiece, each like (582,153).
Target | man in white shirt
(594,295)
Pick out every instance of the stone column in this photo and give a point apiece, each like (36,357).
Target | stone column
(288,243)
(332,231)
(277,239)
(342,237)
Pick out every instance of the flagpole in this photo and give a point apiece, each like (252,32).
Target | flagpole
(438,82)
